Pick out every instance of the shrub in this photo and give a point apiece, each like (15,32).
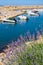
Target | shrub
(32,56)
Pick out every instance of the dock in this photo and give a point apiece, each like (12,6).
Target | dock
(12,11)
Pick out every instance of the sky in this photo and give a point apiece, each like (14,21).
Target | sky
(21,2)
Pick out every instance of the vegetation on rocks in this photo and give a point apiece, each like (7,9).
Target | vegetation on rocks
(32,56)
(22,52)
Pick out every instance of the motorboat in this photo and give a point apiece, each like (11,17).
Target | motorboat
(21,17)
(9,21)
(32,13)
(35,11)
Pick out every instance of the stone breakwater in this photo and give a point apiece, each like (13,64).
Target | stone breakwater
(11,11)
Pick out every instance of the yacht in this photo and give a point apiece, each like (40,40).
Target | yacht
(21,17)
(9,21)
(33,13)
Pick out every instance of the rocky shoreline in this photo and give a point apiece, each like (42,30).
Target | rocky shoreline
(14,48)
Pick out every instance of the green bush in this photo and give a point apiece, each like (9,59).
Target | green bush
(32,56)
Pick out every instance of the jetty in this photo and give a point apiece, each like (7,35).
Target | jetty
(12,11)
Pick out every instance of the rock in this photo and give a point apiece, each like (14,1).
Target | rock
(1,63)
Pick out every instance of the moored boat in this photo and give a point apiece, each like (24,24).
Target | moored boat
(32,13)
(9,21)
(21,17)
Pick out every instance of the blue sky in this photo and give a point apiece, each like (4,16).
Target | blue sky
(21,2)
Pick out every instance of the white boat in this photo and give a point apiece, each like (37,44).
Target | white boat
(35,10)
(32,13)
(40,10)
(9,21)
(21,17)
